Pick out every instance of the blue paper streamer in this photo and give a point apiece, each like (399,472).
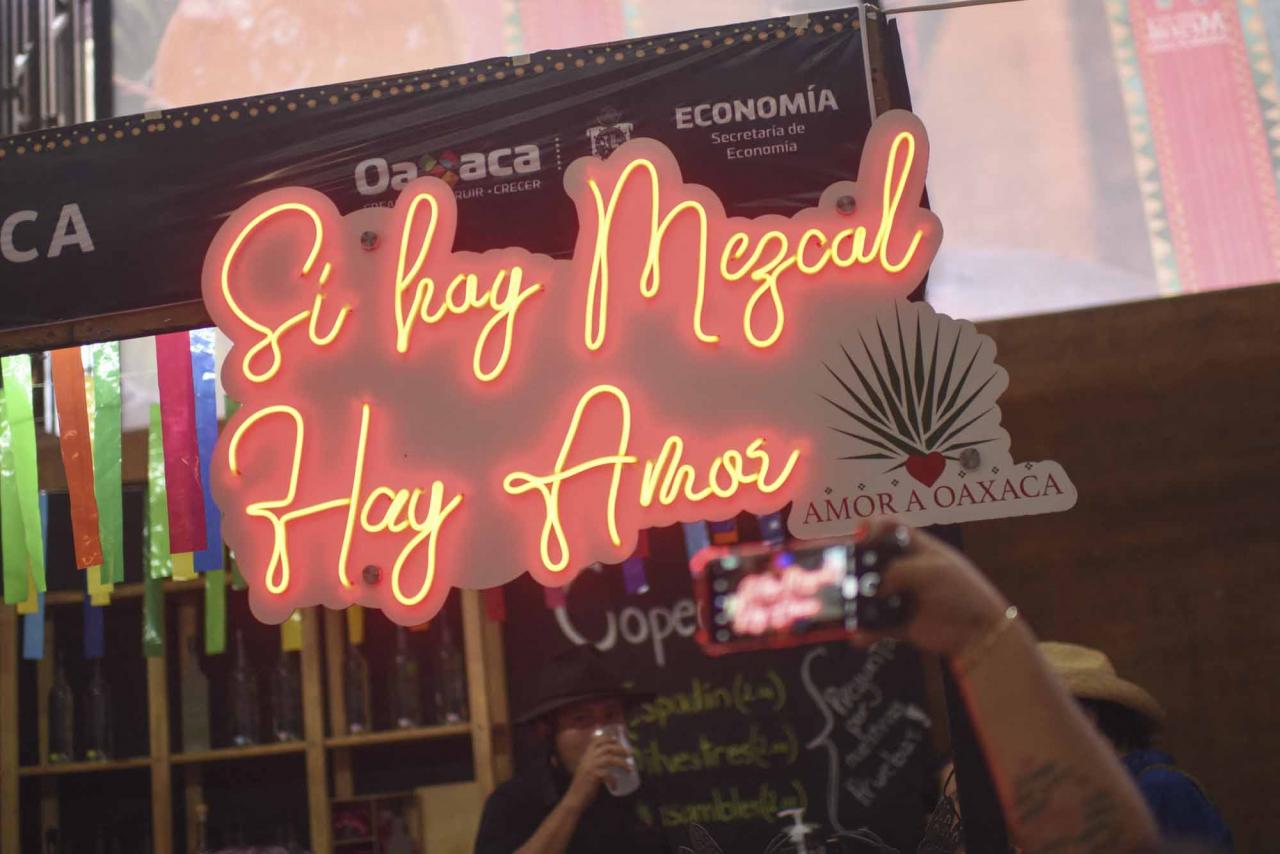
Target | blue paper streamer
(204,377)
(33,624)
(696,537)
(772,530)
(94,637)
(33,632)
(633,576)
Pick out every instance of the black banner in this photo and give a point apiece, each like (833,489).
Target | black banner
(729,742)
(114,217)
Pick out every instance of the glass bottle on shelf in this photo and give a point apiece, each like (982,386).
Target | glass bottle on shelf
(406,685)
(62,717)
(243,692)
(449,675)
(99,734)
(202,829)
(286,699)
(356,690)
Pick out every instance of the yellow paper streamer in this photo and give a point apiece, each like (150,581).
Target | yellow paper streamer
(355,625)
(31,604)
(99,593)
(184,567)
(291,633)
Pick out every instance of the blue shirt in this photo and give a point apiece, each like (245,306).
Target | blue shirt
(1181,809)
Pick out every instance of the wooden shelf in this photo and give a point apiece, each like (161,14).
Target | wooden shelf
(325,763)
(84,767)
(227,753)
(391,736)
(122,591)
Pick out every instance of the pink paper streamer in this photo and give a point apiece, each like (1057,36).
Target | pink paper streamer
(181,448)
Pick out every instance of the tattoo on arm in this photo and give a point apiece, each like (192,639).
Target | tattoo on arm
(1061,810)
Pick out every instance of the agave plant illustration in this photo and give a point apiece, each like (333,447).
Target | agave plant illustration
(912,410)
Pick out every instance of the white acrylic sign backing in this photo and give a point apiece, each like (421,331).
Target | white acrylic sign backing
(416,419)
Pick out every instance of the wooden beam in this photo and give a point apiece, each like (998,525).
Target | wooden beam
(10,831)
(495,666)
(313,731)
(473,619)
(192,790)
(161,772)
(334,644)
(108,327)
(44,681)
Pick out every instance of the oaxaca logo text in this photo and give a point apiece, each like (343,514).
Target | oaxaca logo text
(375,175)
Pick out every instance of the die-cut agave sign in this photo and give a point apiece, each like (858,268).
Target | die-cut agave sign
(416,419)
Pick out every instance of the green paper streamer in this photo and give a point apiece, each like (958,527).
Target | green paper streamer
(153,618)
(159,561)
(237,580)
(106,459)
(13,544)
(25,502)
(215,611)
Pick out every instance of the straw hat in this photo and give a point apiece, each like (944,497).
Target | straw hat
(1089,675)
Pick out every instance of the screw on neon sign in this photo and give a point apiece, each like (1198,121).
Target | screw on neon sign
(460,417)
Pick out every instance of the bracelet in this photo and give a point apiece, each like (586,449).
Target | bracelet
(972,654)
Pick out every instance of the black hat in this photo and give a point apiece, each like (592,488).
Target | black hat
(575,675)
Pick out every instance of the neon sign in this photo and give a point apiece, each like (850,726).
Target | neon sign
(416,418)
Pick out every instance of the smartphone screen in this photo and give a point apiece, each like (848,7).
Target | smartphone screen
(759,596)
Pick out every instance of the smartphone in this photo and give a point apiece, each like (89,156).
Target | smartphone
(760,596)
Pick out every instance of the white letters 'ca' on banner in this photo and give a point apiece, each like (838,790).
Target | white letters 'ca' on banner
(416,419)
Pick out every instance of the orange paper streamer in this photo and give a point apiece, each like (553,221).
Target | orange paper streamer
(77,454)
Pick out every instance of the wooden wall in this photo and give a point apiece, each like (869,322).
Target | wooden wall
(1166,414)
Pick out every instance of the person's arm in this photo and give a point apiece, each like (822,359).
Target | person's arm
(556,830)
(1061,786)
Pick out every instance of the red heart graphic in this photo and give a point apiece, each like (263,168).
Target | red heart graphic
(926,469)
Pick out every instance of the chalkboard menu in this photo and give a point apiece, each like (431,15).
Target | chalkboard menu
(729,742)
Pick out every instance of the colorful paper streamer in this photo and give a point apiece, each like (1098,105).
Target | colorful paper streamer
(215,612)
(772,530)
(555,597)
(17,569)
(77,453)
(495,604)
(204,378)
(355,625)
(22,437)
(95,639)
(184,568)
(291,633)
(696,537)
(106,459)
(159,560)
(33,632)
(633,577)
(181,449)
(724,533)
(153,617)
(237,577)
(33,612)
